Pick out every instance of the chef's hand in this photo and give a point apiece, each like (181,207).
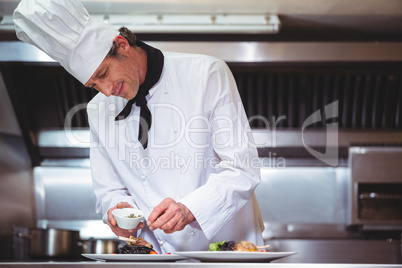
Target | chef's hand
(113,224)
(170,216)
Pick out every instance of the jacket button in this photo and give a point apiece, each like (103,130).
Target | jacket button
(143,177)
(176,129)
(166,91)
(192,233)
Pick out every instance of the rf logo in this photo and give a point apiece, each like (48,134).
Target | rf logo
(331,148)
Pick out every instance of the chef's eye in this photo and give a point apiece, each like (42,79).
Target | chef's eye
(103,75)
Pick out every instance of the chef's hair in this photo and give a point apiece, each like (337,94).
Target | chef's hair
(126,33)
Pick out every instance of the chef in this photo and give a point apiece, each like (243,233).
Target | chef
(169,134)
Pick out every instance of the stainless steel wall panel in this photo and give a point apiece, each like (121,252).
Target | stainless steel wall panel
(245,52)
(17,204)
(64,194)
(8,119)
(303,195)
(65,200)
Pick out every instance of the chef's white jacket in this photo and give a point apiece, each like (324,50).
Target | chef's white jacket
(200,153)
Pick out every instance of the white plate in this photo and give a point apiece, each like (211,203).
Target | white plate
(234,256)
(134,257)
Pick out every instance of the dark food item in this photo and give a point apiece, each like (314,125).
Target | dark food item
(227,246)
(136,246)
(132,249)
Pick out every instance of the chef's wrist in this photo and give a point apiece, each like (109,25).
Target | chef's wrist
(189,214)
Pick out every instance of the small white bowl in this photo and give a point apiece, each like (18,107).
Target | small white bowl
(121,217)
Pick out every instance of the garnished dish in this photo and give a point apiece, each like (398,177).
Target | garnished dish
(136,246)
(230,251)
(138,249)
(233,246)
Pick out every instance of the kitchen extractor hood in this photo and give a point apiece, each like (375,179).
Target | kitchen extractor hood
(326,20)
(183,23)
(281,86)
(196,23)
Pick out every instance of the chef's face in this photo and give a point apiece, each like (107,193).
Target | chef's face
(118,76)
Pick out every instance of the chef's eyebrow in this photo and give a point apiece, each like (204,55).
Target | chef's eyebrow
(97,74)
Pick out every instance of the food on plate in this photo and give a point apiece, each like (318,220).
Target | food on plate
(245,246)
(232,246)
(222,246)
(136,246)
(132,249)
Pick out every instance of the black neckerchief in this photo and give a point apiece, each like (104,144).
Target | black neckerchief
(155,61)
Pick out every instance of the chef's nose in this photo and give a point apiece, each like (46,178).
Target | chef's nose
(105,87)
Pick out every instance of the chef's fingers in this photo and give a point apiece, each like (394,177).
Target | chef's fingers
(162,219)
(171,230)
(166,222)
(159,210)
(123,205)
(174,218)
(123,232)
(119,205)
(110,218)
(182,216)
(173,225)
(140,226)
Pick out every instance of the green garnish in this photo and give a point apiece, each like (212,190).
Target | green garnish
(216,246)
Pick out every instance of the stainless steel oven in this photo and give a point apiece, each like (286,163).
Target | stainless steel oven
(376,187)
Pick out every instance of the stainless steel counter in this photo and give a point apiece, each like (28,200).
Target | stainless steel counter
(186,265)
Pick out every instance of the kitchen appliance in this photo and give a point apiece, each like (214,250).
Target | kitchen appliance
(52,243)
(36,244)
(376,187)
(100,246)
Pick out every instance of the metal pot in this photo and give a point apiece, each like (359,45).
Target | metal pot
(53,243)
(100,246)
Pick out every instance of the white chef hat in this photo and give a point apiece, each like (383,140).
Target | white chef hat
(64,30)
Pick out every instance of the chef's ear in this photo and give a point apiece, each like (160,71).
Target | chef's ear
(121,43)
